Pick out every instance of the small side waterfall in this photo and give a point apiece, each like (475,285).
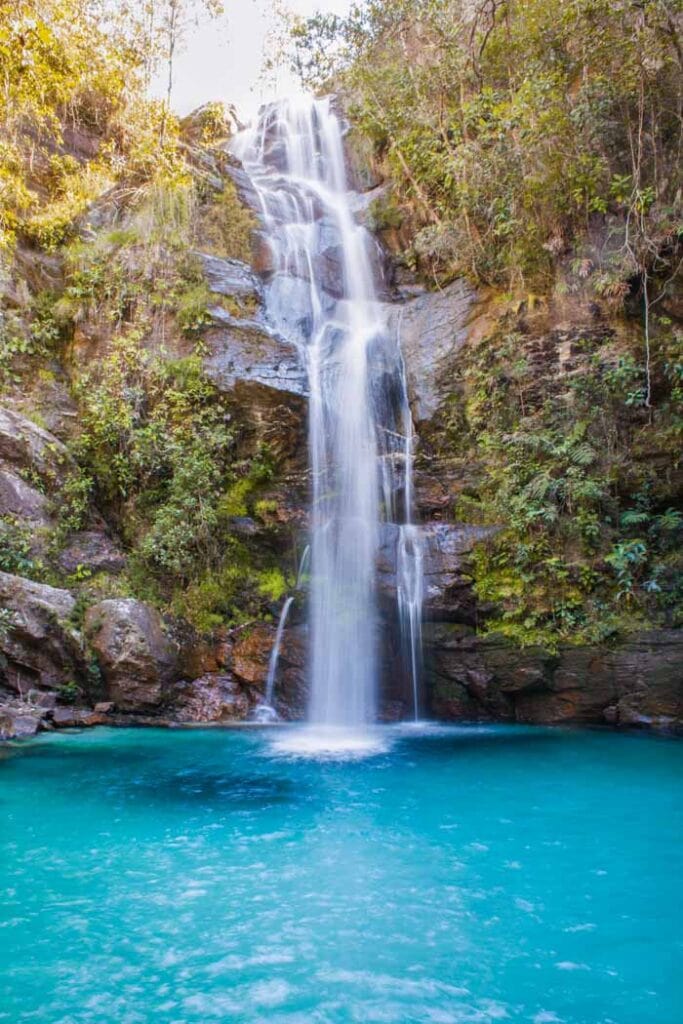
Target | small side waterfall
(410,556)
(266,712)
(322,295)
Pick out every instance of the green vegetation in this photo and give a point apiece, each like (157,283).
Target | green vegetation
(16,555)
(578,476)
(104,197)
(518,133)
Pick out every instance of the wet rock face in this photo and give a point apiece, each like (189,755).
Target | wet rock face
(640,683)
(292,683)
(248,660)
(137,660)
(244,350)
(448,594)
(432,330)
(39,646)
(248,352)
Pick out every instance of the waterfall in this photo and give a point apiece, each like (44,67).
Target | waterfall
(272,663)
(410,559)
(322,295)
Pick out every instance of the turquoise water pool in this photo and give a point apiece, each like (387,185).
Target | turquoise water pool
(448,875)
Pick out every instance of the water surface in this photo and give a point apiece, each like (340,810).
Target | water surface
(452,875)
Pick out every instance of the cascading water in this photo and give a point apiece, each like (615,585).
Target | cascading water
(266,712)
(409,561)
(322,296)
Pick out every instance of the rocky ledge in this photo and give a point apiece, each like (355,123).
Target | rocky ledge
(126,665)
(637,683)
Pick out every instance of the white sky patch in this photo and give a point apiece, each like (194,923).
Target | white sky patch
(222,59)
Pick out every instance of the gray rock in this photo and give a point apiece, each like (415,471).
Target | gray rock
(70,717)
(445,571)
(137,660)
(448,592)
(245,190)
(92,550)
(432,330)
(290,295)
(41,648)
(19,720)
(17,498)
(215,697)
(360,202)
(230,277)
(24,444)
(360,165)
(245,351)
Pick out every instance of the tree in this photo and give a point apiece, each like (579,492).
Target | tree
(176,16)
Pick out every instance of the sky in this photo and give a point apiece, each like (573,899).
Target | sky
(222,58)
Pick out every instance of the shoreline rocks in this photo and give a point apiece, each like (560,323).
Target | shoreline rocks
(638,683)
(136,658)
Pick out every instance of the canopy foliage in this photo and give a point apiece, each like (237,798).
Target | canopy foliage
(515,128)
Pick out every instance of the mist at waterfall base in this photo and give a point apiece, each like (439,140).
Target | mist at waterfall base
(321,295)
(463,875)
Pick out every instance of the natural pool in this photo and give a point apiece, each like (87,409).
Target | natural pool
(453,875)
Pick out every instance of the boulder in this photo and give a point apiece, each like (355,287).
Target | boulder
(40,647)
(25,445)
(17,498)
(91,550)
(19,720)
(137,659)
(68,717)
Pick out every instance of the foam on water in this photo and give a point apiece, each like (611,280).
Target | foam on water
(331,743)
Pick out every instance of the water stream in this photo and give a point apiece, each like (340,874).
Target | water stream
(410,561)
(322,295)
(266,712)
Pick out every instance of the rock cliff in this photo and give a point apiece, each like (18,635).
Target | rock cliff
(93,624)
